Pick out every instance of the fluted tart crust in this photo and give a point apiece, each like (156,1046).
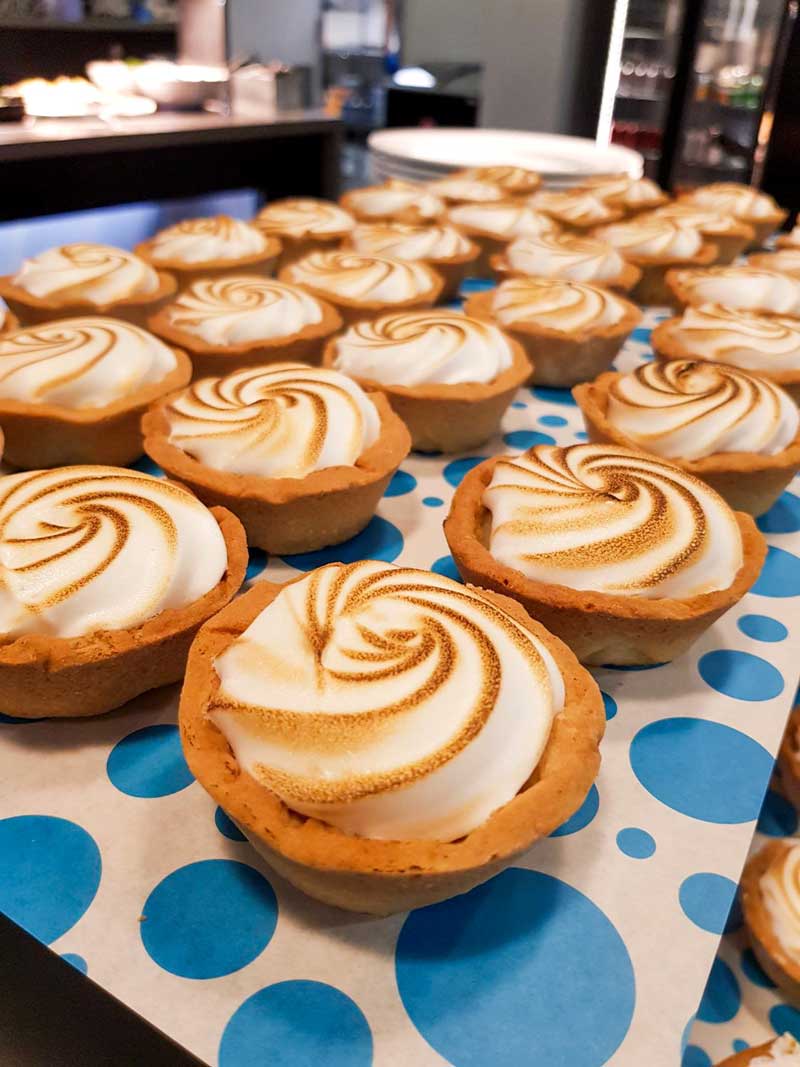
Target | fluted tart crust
(768,950)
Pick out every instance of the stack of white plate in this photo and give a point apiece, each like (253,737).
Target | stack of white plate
(423,155)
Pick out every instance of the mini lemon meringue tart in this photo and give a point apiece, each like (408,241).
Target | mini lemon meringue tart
(211,248)
(782,1051)
(624,556)
(766,343)
(452,255)
(730,235)
(570,331)
(495,729)
(633,195)
(577,210)
(105,605)
(750,205)
(303,224)
(789,758)
(362,286)
(300,454)
(770,892)
(566,255)
(73,391)
(785,261)
(655,244)
(455,189)
(745,288)
(790,239)
(493,226)
(86,279)
(512,181)
(393,200)
(245,320)
(449,377)
(736,430)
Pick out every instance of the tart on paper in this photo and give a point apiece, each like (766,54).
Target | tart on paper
(570,331)
(211,248)
(789,758)
(770,892)
(494,741)
(226,324)
(750,205)
(785,261)
(782,1051)
(655,244)
(452,255)
(766,344)
(301,455)
(303,224)
(626,557)
(106,606)
(86,279)
(74,391)
(576,209)
(633,195)
(512,181)
(730,235)
(362,286)
(493,226)
(736,430)
(745,288)
(393,199)
(449,377)
(566,255)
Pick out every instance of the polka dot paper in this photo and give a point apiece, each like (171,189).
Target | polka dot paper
(598,947)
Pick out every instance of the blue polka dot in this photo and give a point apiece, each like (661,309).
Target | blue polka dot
(751,969)
(706,900)
(147,466)
(740,675)
(256,563)
(519,404)
(739,1045)
(703,769)
(149,762)
(379,540)
(78,962)
(209,918)
(641,334)
(454,472)
(402,482)
(487,976)
(782,1018)
(762,628)
(227,827)
(527,439)
(782,517)
(581,435)
(297,1024)
(552,420)
(735,919)
(446,565)
(49,873)
(582,817)
(432,501)
(780,575)
(694,1056)
(722,997)
(554,396)
(687,1033)
(636,843)
(610,704)
(778,817)
(476,285)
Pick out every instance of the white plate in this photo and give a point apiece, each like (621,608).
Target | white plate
(555,157)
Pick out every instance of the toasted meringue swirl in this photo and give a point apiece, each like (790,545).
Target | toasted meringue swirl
(747,288)
(390,702)
(780,892)
(791,239)
(395,197)
(731,198)
(422,348)
(633,193)
(611,520)
(81,363)
(504,220)
(556,303)
(280,421)
(465,190)
(703,219)
(740,338)
(98,274)
(84,549)
(401,240)
(196,241)
(575,207)
(243,308)
(783,1052)
(785,260)
(357,276)
(687,410)
(303,216)
(566,255)
(514,181)
(653,235)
